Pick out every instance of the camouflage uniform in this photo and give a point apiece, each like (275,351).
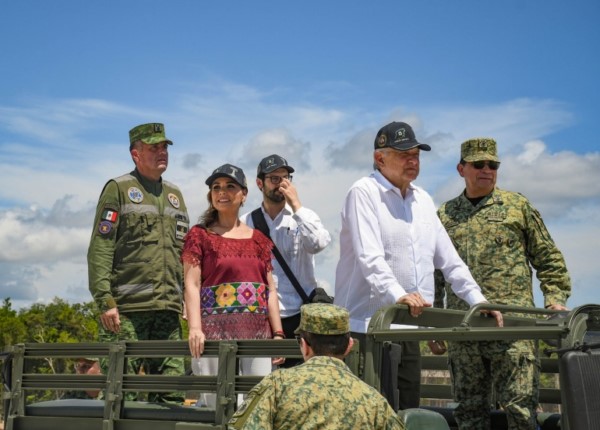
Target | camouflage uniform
(500,239)
(320,394)
(133,258)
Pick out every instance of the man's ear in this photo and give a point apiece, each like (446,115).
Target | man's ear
(259,183)
(350,345)
(460,169)
(378,158)
(135,154)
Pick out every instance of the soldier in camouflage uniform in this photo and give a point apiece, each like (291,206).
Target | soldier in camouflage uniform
(135,274)
(500,236)
(322,393)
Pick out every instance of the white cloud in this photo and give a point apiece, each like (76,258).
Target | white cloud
(44,234)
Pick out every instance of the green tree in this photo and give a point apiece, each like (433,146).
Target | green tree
(12,328)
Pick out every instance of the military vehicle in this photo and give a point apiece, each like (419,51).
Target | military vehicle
(575,357)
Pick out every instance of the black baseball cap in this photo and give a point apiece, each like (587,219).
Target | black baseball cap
(271,163)
(228,171)
(400,136)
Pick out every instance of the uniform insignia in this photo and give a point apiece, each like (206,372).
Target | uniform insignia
(110,215)
(400,134)
(181,229)
(381,140)
(174,200)
(499,240)
(135,195)
(105,227)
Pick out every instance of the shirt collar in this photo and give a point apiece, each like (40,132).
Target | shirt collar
(387,185)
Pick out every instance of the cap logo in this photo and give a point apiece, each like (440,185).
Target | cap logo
(233,171)
(400,134)
(158,128)
(381,141)
(270,162)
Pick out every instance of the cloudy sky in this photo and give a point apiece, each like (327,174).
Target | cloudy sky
(313,81)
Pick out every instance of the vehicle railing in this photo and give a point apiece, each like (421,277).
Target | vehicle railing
(565,329)
(226,384)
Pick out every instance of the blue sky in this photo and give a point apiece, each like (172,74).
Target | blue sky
(234,81)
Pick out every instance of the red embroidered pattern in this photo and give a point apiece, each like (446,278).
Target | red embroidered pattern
(225,261)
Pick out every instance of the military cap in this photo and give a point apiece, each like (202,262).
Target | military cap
(323,318)
(228,171)
(151,134)
(271,163)
(400,136)
(479,149)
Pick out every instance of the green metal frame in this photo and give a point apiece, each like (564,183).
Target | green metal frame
(567,331)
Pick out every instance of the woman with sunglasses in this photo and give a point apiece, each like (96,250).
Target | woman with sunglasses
(229,289)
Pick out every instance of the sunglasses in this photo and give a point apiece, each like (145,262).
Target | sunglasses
(493,165)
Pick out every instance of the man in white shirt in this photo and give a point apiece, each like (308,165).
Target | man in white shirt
(296,231)
(390,243)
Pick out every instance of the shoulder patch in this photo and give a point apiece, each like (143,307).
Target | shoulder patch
(110,215)
(105,227)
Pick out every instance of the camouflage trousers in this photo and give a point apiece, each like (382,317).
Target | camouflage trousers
(510,370)
(149,325)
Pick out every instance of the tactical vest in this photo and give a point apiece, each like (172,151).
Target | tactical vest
(147,271)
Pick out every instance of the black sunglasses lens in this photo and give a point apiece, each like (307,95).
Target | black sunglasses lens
(493,165)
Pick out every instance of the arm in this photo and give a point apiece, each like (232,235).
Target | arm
(454,270)
(274,317)
(259,408)
(101,253)
(547,260)
(191,279)
(314,236)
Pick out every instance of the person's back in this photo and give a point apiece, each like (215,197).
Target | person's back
(322,393)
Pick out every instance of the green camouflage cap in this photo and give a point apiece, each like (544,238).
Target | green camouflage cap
(479,149)
(150,134)
(323,318)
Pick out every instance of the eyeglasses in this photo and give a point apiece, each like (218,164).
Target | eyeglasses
(493,165)
(277,179)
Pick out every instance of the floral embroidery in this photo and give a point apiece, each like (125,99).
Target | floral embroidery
(225,295)
(207,299)
(234,298)
(246,294)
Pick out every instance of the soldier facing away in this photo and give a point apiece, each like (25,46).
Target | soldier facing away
(322,393)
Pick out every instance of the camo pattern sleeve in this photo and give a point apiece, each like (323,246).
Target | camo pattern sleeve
(319,394)
(500,240)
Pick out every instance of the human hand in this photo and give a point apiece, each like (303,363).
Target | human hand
(290,194)
(196,340)
(277,361)
(415,303)
(110,320)
(557,307)
(497,316)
